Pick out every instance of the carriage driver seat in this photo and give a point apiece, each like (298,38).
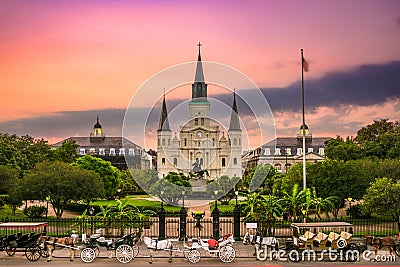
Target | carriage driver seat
(212,244)
(105,242)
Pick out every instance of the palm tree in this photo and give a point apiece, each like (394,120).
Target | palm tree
(321,205)
(292,202)
(272,209)
(252,207)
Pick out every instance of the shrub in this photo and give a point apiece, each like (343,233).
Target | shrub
(35,211)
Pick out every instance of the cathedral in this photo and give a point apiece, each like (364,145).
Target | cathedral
(200,149)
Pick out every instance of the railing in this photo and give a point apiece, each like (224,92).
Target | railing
(115,228)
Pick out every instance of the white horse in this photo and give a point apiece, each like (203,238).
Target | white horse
(154,244)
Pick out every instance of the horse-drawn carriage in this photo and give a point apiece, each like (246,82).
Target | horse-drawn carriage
(332,237)
(216,248)
(125,248)
(19,242)
(191,251)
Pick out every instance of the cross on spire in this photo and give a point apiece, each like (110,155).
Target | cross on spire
(199,57)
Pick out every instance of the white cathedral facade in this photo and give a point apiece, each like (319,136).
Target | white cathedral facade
(201,148)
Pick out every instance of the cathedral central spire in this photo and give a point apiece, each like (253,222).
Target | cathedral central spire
(199,77)
(199,87)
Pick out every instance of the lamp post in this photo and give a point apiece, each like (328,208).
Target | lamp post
(182,219)
(91,210)
(215,215)
(216,200)
(349,199)
(183,198)
(47,205)
(162,201)
(236,219)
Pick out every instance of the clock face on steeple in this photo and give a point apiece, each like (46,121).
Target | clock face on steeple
(199,134)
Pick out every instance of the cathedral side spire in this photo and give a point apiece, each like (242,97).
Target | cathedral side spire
(164,124)
(234,124)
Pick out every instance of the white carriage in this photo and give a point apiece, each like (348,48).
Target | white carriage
(222,248)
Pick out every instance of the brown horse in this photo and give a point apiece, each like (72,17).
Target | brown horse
(379,242)
(51,243)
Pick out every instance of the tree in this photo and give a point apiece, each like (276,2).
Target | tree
(223,184)
(8,176)
(172,186)
(128,184)
(272,209)
(23,152)
(262,175)
(62,183)
(292,202)
(67,151)
(380,139)
(145,178)
(382,198)
(342,150)
(252,207)
(110,175)
(123,214)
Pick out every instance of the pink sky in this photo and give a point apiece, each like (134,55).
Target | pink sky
(82,55)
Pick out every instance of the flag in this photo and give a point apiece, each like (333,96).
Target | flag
(305,65)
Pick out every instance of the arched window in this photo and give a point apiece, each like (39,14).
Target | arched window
(112,151)
(175,162)
(234,161)
(223,163)
(196,121)
(163,161)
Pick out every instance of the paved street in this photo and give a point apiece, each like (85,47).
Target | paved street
(244,257)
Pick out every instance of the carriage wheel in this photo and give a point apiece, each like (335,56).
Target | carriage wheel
(32,253)
(10,251)
(227,254)
(135,250)
(88,255)
(397,249)
(124,253)
(193,256)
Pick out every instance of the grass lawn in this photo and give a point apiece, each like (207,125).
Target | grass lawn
(138,202)
(138,196)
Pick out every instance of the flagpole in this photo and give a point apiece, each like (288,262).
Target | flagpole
(304,122)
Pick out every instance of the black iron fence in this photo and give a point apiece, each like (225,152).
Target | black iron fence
(115,228)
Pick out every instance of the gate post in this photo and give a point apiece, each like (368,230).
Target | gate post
(236,219)
(215,215)
(161,222)
(182,224)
